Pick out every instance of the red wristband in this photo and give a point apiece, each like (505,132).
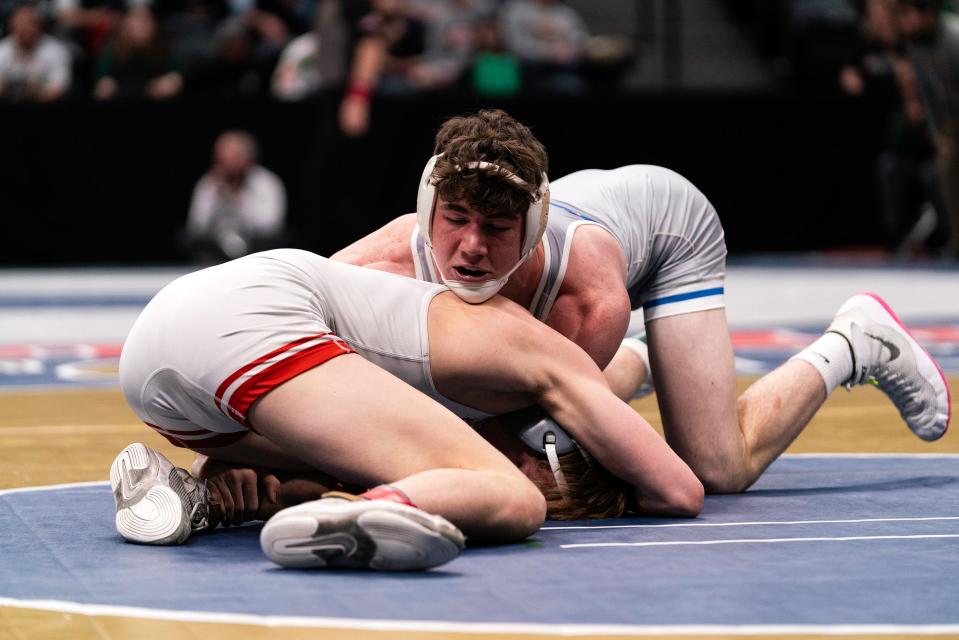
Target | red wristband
(357,91)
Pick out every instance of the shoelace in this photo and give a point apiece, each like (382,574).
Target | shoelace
(199,516)
(200,508)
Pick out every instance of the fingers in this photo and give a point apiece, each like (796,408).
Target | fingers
(271,487)
(241,484)
(219,493)
(251,499)
(240,492)
(237,491)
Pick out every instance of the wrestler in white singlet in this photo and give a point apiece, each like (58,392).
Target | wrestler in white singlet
(212,342)
(669,232)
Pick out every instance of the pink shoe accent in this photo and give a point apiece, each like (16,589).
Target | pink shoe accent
(945,381)
(387,492)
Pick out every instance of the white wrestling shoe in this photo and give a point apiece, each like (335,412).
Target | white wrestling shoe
(157,503)
(885,354)
(362,534)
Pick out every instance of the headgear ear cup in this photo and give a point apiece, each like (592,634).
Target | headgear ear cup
(426,201)
(534,218)
(544,435)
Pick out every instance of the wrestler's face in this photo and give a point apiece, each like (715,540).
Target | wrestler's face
(471,246)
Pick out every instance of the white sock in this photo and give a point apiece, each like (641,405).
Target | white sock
(832,357)
(639,347)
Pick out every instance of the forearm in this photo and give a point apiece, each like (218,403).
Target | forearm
(625,444)
(368,62)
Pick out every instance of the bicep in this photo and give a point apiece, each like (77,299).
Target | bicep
(597,326)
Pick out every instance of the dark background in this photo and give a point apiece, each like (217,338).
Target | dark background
(111,183)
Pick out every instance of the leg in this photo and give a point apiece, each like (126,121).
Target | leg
(360,424)
(728,443)
(628,373)
(625,373)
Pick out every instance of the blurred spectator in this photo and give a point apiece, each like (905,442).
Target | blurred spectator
(230,67)
(383,37)
(453,32)
(88,24)
(33,66)
(238,207)
(813,38)
(315,60)
(272,23)
(137,62)
(907,182)
(931,89)
(495,72)
(549,39)
(192,24)
(875,54)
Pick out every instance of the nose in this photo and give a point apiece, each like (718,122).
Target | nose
(473,242)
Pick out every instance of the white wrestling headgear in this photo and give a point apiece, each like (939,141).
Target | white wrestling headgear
(546,436)
(534,223)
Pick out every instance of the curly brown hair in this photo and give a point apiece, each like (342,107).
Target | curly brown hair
(591,491)
(494,136)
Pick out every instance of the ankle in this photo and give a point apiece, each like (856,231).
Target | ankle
(831,356)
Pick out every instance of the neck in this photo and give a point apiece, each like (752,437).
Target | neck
(524,281)
(28,47)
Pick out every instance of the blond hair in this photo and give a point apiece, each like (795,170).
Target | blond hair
(590,491)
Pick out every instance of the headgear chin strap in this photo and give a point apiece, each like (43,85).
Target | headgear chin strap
(476,292)
(534,224)
(545,436)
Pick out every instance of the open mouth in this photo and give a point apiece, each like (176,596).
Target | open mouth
(465,273)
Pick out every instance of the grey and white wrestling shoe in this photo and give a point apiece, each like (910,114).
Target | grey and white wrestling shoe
(342,533)
(885,354)
(157,503)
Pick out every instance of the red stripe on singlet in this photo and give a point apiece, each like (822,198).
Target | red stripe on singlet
(213,440)
(239,372)
(275,375)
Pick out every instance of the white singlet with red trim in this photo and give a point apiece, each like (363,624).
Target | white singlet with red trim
(212,342)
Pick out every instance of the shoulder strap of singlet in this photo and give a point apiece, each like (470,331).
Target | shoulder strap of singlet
(557,242)
(422,258)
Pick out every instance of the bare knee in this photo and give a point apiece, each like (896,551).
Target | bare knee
(722,474)
(720,480)
(729,468)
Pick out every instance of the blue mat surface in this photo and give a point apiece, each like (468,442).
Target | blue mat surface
(819,540)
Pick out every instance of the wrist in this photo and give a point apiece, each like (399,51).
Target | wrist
(359,91)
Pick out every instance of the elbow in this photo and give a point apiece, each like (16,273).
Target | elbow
(689,502)
(683,500)
(530,514)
